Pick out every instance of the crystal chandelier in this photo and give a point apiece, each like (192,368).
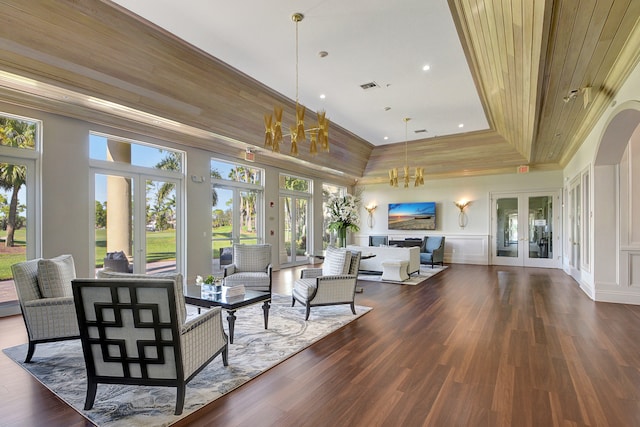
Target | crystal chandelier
(319,134)
(418,179)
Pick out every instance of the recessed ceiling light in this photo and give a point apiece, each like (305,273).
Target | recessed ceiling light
(322,96)
(426,67)
(386,137)
(461,125)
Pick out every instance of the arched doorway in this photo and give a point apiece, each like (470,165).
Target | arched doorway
(616,235)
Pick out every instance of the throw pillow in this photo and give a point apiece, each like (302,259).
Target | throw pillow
(55,276)
(336,261)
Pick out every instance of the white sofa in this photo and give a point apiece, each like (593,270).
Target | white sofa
(386,253)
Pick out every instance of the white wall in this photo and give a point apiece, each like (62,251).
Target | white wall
(468,245)
(614,266)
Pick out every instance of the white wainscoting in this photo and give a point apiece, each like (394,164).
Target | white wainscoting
(627,291)
(467,249)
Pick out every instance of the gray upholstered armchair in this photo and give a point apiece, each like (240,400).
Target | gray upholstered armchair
(134,331)
(46,299)
(333,284)
(251,267)
(432,250)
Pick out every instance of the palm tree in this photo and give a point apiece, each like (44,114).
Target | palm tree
(215,174)
(17,134)
(164,208)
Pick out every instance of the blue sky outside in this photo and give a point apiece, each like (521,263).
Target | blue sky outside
(145,156)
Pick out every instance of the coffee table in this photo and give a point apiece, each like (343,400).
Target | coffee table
(193,296)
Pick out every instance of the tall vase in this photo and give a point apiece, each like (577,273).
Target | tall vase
(342,237)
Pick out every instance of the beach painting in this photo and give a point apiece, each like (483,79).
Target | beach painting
(412,216)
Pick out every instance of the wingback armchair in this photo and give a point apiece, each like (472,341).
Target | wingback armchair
(333,284)
(251,267)
(134,331)
(46,299)
(432,250)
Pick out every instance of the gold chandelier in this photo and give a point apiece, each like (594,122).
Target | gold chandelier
(319,134)
(418,180)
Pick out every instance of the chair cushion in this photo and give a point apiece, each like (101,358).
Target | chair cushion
(425,258)
(251,257)
(304,288)
(255,280)
(336,261)
(55,276)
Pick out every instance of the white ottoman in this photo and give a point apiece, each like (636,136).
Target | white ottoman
(395,270)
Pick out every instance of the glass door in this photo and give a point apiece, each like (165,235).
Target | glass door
(508,231)
(294,214)
(235,219)
(136,223)
(523,230)
(159,239)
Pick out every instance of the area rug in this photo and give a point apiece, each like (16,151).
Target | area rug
(415,279)
(60,365)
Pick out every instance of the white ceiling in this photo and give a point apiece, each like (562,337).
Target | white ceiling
(381,41)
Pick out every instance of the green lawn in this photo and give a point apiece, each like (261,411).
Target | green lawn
(8,259)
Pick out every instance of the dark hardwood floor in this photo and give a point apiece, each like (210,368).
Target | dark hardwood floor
(473,346)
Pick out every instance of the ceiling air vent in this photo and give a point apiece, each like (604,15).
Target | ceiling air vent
(420,131)
(369,85)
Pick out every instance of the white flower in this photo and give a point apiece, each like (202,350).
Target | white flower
(342,213)
(199,280)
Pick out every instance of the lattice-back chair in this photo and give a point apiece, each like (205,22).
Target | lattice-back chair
(251,267)
(333,284)
(46,300)
(133,332)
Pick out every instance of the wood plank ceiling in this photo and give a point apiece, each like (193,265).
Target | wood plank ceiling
(526,58)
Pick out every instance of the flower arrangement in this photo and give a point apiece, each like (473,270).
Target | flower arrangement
(342,213)
(207,281)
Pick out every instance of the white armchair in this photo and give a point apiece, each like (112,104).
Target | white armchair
(333,284)
(251,267)
(46,300)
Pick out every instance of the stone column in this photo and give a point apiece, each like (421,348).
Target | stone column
(119,205)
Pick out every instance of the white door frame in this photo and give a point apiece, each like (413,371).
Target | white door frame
(523,258)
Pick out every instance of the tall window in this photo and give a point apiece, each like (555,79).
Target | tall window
(19,153)
(236,208)
(138,205)
(295,219)
(329,190)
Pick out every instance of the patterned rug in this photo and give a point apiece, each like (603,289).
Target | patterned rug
(415,279)
(60,366)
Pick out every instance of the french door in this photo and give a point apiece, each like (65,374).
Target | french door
(139,215)
(236,216)
(294,226)
(524,229)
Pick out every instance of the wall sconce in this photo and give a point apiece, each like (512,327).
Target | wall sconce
(462,217)
(370,209)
